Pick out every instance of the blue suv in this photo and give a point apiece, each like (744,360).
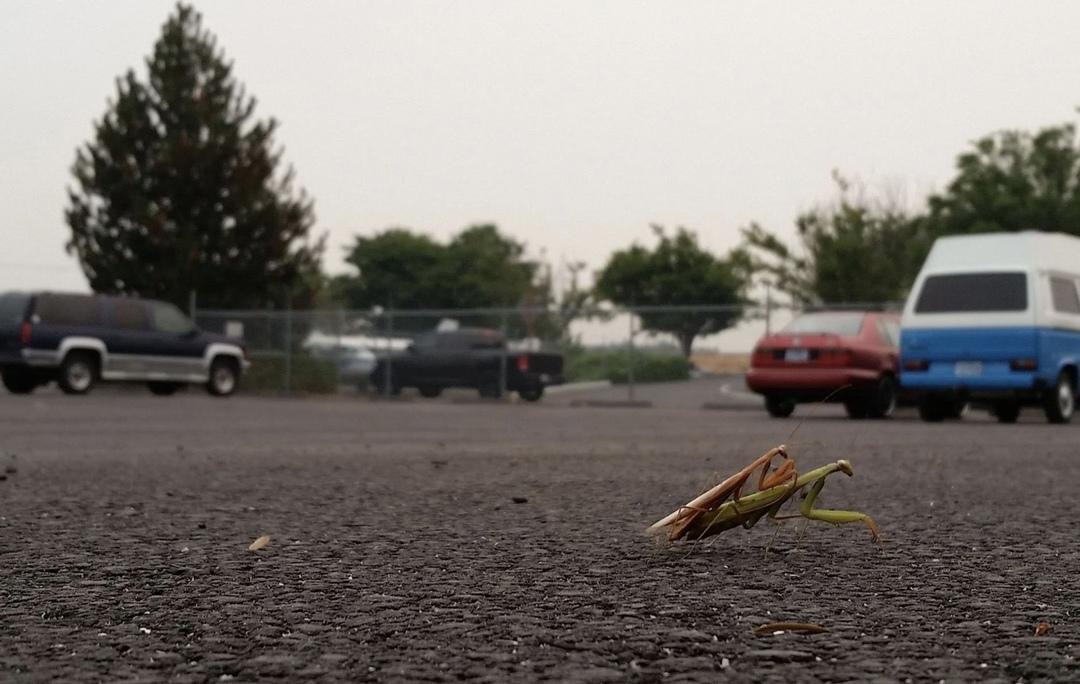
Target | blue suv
(77,340)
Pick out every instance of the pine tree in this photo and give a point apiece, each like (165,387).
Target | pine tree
(180,191)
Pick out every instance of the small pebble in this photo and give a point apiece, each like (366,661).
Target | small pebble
(520,499)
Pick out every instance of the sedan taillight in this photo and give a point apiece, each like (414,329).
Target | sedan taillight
(523,363)
(24,333)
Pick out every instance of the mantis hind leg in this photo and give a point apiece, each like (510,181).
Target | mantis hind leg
(835,517)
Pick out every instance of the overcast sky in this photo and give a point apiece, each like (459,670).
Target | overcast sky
(572,125)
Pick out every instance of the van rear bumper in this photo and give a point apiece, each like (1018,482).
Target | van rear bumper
(995,377)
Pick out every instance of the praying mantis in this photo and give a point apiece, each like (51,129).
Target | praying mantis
(712,512)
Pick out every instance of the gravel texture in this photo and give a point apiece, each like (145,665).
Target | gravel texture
(415,541)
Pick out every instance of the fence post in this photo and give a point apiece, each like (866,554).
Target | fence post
(630,361)
(389,386)
(288,345)
(502,364)
(191,305)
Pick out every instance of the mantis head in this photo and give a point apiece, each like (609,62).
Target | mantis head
(845,467)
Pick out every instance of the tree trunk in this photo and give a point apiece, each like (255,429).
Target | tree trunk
(686,342)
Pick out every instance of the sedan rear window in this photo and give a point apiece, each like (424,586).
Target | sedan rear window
(842,323)
(973,292)
(13,307)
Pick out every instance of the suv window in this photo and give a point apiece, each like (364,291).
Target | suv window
(1063,292)
(971,292)
(13,307)
(167,318)
(129,314)
(61,309)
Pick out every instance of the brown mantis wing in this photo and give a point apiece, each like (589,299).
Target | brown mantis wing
(682,518)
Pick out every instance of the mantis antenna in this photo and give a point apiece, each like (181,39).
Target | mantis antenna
(816,407)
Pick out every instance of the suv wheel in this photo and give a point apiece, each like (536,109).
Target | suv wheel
(779,407)
(1059,403)
(224,377)
(18,381)
(78,372)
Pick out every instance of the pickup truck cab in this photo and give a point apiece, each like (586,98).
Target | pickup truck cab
(78,339)
(475,358)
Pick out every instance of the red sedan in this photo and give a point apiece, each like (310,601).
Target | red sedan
(820,353)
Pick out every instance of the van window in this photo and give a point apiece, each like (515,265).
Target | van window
(1063,292)
(62,309)
(968,292)
(842,323)
(13,307)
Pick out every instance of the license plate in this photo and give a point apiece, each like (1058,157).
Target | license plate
(969,368)
(797,355)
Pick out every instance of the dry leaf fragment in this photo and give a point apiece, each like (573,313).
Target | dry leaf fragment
(260,543)
(1042,629)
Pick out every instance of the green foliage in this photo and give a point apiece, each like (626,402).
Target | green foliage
(854,251)
(1013,181)
(585,365)
(478,268)
(677,272)
(179,189)
(308,375)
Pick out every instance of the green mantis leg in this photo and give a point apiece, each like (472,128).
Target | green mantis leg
(835,517)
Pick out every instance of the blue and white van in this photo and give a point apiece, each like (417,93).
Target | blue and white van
(995,319)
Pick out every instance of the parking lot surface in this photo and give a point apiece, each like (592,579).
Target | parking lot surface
(433,541)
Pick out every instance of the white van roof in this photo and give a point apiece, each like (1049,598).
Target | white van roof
(1028,250)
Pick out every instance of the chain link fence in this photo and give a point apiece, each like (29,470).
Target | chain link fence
(333,351)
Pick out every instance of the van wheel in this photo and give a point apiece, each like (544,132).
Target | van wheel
(779,407)
(164,389)
(78,372)
(881,401)
(1059,403)
(932,409)
(224,377)
(1006,411)
(18,382)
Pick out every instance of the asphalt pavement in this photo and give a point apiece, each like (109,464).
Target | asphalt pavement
(438,541)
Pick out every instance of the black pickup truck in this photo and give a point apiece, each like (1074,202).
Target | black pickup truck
(468,357)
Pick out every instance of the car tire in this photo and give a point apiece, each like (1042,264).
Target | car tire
(534,393)
(18,381)
(856,408)
(779,407)
(1059,403)
(224,377)
(164,389)
(881,400)
(430,391)
(78,372)
(1006,411)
